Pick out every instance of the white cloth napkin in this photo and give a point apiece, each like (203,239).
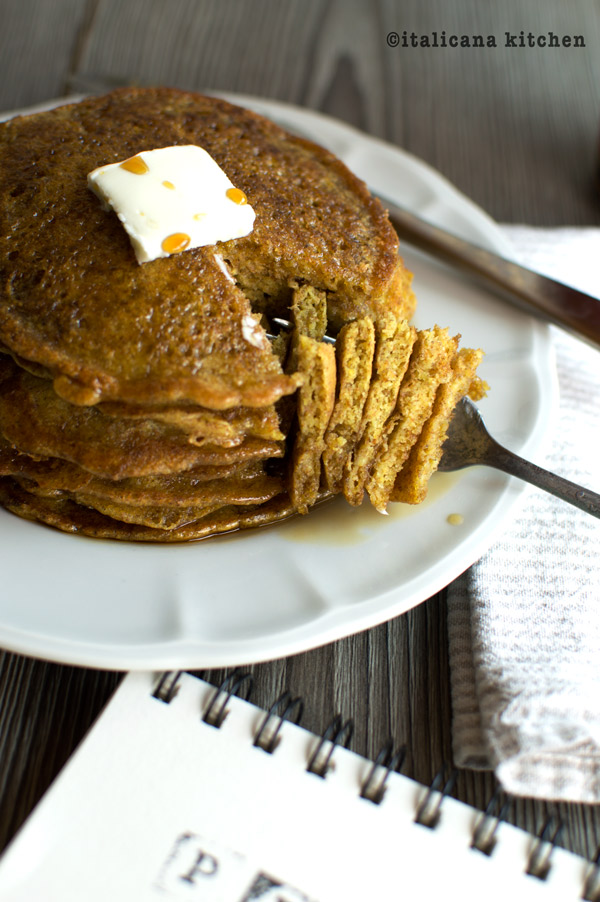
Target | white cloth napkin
(524,622)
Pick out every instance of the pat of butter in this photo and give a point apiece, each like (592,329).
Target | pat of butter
(172,199)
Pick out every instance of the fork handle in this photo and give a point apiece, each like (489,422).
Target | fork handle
(505,460)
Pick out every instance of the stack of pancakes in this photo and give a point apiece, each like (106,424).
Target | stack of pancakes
(150,402)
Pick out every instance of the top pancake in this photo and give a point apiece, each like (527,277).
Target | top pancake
(75,302)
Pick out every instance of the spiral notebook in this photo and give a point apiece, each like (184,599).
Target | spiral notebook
(182,791)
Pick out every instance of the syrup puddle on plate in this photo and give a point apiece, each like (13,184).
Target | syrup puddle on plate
(337,523)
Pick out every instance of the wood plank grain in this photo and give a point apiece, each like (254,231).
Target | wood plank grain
(258,48)
(38,41)
(45,711)
(515,128)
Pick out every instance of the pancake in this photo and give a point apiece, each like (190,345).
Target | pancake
(69,516)
(203,484)
(394,344)
(161,515)
(228,427)
(53,474)
(316,362)
(74,301)
(38,422)
(410,485)
(157,517)
(309,311)
(355,348)
(429,367)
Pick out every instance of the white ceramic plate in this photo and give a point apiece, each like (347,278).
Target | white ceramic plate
(260,595)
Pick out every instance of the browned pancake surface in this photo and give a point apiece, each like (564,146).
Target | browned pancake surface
(54,474)
(41,424)
(69,516)
(226,427)
(74,300)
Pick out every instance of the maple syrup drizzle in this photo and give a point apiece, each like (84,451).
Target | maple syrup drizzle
(237,196)
(175,243)
(135,165)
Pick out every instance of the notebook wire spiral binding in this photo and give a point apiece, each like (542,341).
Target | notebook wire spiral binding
(216,712)
(428,812)
(387,761)
(484,835)
(339,733)
(267,737)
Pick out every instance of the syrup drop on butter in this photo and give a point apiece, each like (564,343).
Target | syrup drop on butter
(174,244)
(237,196)
(135,165)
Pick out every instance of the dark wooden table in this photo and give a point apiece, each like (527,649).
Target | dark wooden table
(515,128)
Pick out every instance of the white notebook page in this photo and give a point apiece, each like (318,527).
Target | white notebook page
(158,805)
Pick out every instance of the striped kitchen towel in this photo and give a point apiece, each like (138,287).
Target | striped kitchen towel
(524,621)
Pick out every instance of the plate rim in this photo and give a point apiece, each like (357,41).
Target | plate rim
(194,654)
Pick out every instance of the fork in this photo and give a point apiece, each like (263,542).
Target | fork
(469,443)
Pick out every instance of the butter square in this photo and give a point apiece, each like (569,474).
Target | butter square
(172,199)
